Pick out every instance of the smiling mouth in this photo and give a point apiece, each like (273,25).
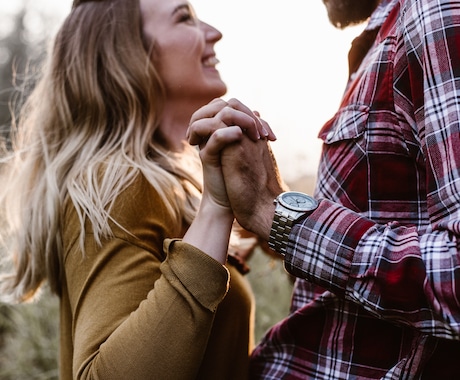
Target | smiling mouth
(210,61)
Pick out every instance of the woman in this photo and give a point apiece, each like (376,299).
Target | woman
(101,177)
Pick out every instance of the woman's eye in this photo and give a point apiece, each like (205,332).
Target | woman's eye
(187,16)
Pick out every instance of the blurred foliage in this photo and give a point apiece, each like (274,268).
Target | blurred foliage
(21,52)
(30,340)
(272,288)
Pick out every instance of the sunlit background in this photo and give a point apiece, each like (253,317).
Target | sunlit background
(282,59)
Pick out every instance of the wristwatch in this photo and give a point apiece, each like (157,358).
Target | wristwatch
(291,206)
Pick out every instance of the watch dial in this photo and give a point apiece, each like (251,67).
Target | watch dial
(299,201)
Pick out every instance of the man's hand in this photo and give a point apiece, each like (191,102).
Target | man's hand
(252,181)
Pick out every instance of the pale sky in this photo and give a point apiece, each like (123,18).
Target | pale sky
(282,59)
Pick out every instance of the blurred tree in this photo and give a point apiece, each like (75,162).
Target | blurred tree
(28,333)
(12,48)
(21,50)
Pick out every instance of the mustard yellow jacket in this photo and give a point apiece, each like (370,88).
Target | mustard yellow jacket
(144,307)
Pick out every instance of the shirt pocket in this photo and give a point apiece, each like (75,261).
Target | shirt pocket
(342,173)
(369,131)
(365,158)
(349,123)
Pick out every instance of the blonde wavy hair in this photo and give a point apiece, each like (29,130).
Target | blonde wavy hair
(87,130)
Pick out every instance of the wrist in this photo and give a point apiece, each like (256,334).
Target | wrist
(210,209)
(290,207)
(264,225)
(210,230)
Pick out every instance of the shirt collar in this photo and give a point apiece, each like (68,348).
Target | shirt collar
(380,14)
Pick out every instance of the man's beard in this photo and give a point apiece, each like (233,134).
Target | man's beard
(343,13)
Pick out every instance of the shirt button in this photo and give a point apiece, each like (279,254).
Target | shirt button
(330,135)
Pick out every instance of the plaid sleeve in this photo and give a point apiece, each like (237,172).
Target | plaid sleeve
(324,246)
(388,269)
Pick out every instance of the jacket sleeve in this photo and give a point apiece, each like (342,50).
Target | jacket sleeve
(141,312)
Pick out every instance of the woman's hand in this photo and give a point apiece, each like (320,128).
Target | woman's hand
(219,114)
(210,230)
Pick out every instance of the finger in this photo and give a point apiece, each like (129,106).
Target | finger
(209,110)
(262,126)
(201,129)
(259,130)
(206,112)
(220,139)
(240,117)
(268,132)
(238,105)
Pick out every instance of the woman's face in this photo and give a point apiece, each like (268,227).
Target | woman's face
(183,50)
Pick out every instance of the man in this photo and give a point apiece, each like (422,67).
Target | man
(376,251)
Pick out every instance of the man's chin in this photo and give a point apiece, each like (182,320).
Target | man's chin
(343,13)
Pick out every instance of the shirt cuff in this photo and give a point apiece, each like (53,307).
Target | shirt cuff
(204,278)
(321,247)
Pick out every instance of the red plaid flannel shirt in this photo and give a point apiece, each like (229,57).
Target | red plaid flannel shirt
(378,261)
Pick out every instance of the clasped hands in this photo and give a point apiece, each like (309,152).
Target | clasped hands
(239,169)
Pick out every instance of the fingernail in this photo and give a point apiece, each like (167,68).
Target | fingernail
(265,131)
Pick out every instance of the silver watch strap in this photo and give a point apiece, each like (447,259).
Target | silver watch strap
(279,233)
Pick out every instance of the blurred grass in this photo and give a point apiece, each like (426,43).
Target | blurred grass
(29,336)
(272,288)
(29,345)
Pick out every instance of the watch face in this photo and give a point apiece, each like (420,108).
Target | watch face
(298,201)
